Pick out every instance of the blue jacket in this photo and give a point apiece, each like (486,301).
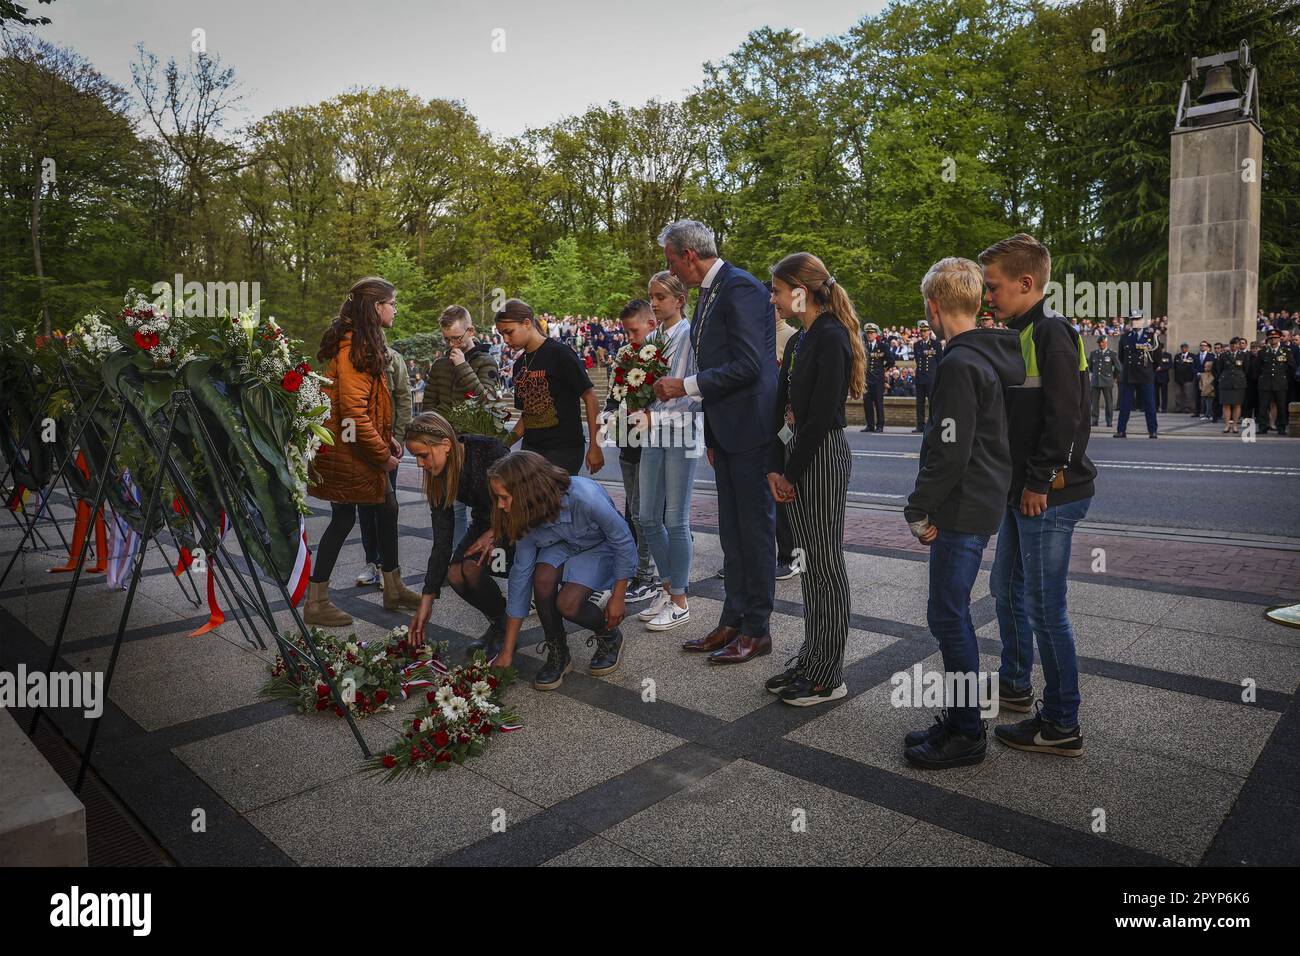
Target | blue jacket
(587,520)
(735,339)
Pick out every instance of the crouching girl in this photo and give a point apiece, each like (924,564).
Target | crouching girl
(570,541)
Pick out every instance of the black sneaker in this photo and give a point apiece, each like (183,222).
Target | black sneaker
(914,738)
(784,572)
(558,663)
(1152,435)
(1041,736)
(784,679)
(641,589)
(802,693)
(947,748)
(918,431)
(609,647)
(1119,435)
(1019,701)
(867,429)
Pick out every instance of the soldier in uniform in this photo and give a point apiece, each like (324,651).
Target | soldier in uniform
(1275,369)
(1185,369)
(1103,370)
(1137,350)
(1164,364)
(880,357)
(1232,369)
(927,354)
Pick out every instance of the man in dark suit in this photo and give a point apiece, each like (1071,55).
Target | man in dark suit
(733,333)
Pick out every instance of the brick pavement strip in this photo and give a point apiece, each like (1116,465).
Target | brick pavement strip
(1262,571)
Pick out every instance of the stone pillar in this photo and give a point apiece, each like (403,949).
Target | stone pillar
(1214,192)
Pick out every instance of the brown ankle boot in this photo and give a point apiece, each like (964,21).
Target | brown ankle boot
(319,610)
(396,594)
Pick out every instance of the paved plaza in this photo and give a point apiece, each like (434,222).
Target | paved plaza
(671,761)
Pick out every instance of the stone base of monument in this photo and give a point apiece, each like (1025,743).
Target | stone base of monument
(899,410)
(42,823)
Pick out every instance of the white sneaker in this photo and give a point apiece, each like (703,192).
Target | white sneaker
(599,598)
(671,616)
(657,605)
(369,575)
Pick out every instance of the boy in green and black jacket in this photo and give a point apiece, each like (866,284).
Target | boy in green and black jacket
(1049,422)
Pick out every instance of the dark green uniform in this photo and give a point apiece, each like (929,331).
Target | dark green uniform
(449,384)
(1276,367)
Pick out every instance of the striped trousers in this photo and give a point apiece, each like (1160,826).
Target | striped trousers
(817,520)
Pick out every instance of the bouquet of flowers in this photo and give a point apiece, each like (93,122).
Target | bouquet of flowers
(371,674)
(636,368)
(464,709)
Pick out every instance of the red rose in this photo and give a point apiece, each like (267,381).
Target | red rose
(415,725)
(649,378)
(292,381)
(492,682)
(338,711)
(431,696)
(146,341)
(381,695)
(303,368)
(443,757)
(441,738)
(464,738)
(322,704)
(485,730)
(474,718)
(390,761)
(322,690)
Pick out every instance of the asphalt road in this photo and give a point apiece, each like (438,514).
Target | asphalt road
(1193,483)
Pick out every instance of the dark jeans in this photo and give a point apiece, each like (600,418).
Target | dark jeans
(1148,395)
(747,529)
(368,515)
(954,564)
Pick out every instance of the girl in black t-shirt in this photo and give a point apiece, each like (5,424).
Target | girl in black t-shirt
(551,389)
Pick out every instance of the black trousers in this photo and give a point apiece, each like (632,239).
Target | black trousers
(570,459)
(1162,396)
(747,529)
(873,406)
(1268,397)
(922,393)
(784,535)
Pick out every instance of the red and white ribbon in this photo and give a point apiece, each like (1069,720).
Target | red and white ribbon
(301,567)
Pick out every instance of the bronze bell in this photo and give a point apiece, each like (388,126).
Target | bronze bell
(1218,86)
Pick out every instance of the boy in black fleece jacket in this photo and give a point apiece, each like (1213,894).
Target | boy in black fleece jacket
(1049,421)
(960,496)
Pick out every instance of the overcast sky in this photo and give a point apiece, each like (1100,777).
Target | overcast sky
(561,55)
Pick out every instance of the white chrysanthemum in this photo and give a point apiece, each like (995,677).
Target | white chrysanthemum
(635,378)
(459,706)
(428,724)
(481,688)
(351,648)
(444,696)
(647,352)
(618,392)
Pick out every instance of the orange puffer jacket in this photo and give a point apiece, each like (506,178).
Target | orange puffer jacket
(351,472)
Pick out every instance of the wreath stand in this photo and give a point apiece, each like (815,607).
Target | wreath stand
(181,407)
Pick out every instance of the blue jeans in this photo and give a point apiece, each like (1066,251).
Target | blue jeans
(1028,584)
(666,479)
(954,563)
